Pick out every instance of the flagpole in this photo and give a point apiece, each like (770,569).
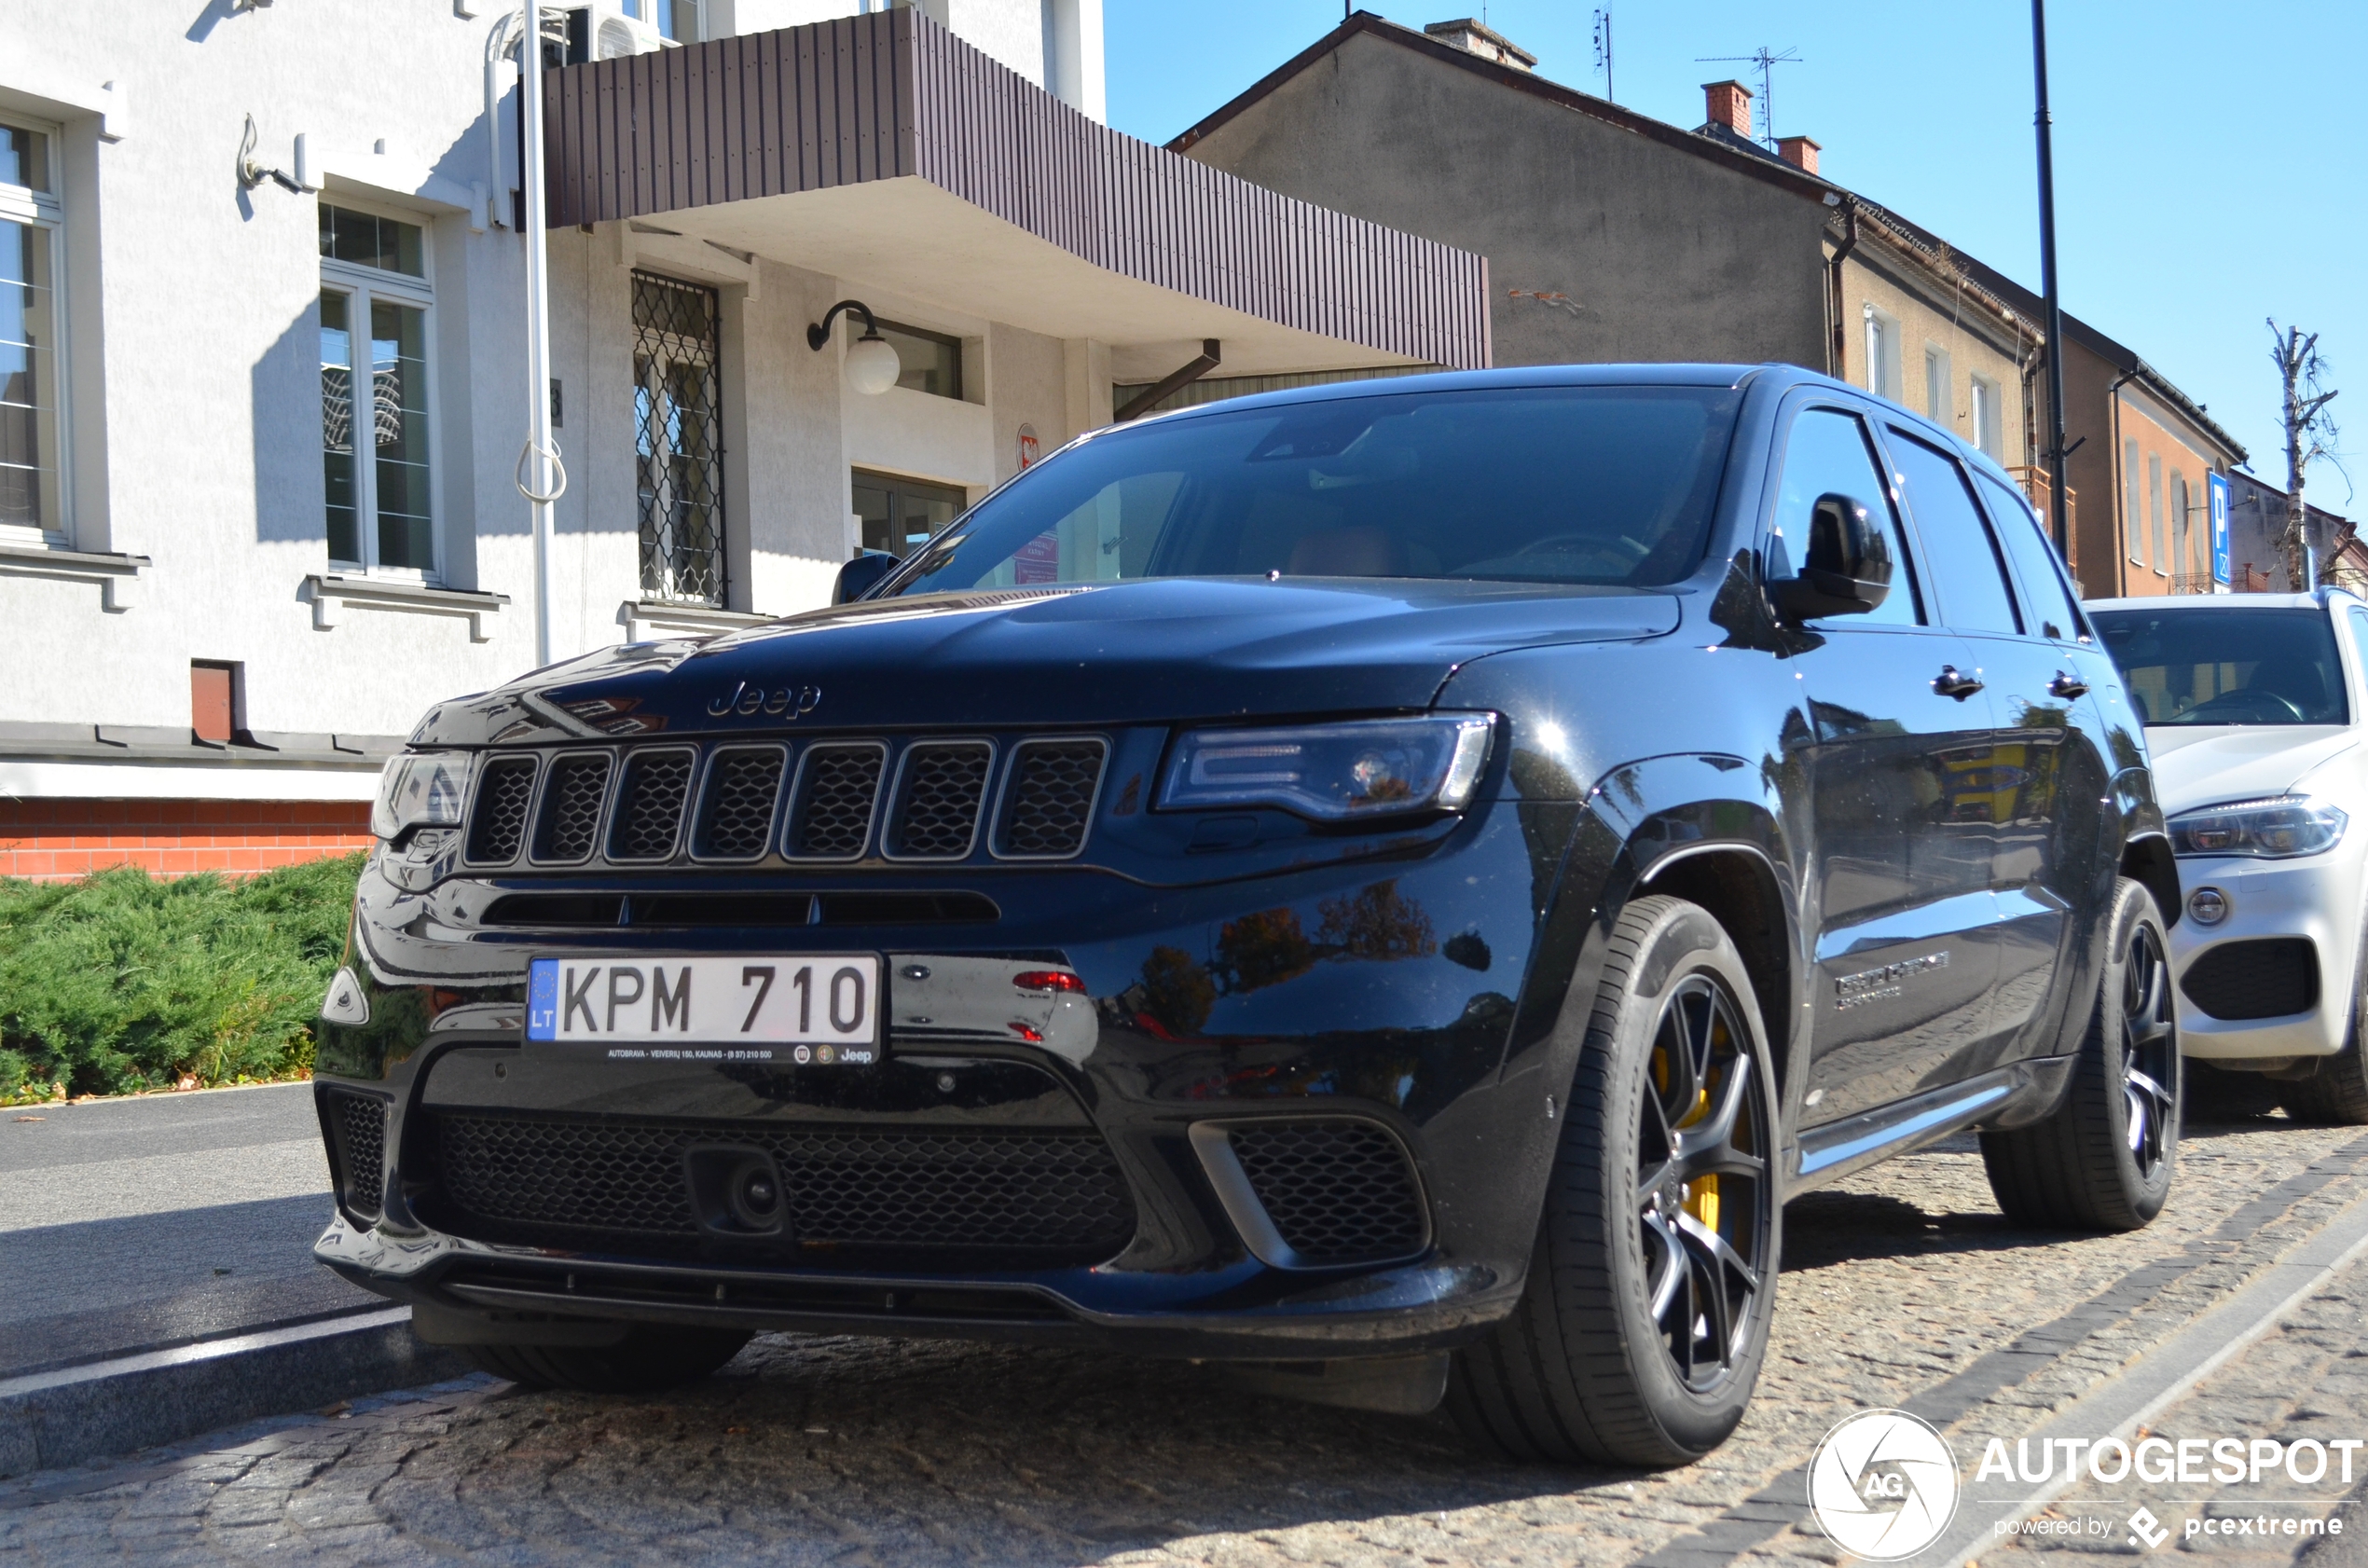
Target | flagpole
(541,477)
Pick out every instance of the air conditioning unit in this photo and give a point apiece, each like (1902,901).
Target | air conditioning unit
(611,30)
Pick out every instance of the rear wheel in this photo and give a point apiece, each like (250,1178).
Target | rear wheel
(1644,1320)
(2103,1160)
(649,1358)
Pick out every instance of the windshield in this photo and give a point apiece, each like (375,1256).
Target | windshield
(1581,485)
(2227,666)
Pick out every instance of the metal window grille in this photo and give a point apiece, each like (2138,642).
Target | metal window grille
(677,414)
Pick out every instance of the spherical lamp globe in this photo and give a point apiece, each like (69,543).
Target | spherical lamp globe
(872,365)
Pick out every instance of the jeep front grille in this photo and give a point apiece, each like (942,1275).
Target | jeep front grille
(652,805)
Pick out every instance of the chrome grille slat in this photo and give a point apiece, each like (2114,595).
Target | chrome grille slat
(838,784)
(735,809)
(941,787)
(496,822)
(568,824)
(1048,799)
(648,818)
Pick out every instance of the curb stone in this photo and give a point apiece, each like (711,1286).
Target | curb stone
(79,1413)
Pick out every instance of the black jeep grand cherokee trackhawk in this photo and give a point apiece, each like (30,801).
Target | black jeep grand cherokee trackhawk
(1394,883)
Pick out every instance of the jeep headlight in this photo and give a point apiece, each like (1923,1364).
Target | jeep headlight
(422,790)
(1372,767)
(2277,828)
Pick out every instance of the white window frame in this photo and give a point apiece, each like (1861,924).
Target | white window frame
(361,285)
(2155,513)
(45,211)
(1986,418)
(2133,520)
(1882,353)
(1940,393)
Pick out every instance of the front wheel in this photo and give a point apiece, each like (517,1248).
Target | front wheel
(1645,1319)
(2103,1160)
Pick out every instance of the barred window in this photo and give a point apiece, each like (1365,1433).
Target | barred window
(678,419)
(32,462)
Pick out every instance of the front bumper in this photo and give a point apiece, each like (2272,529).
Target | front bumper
(2316,899)
(1379,995)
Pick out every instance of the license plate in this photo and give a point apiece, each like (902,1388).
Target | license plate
(808,1008)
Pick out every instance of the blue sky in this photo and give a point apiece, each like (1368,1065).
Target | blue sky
(2211,161)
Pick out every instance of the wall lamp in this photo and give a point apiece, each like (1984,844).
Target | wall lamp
(872,365)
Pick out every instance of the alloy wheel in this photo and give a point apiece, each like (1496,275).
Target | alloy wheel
(2149,1051)
(1702,1183)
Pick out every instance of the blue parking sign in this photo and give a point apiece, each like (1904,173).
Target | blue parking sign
(2216,485)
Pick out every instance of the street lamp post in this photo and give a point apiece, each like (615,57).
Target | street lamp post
(541,477)
(2053,303)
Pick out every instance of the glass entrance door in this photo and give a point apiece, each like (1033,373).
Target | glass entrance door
(899,514)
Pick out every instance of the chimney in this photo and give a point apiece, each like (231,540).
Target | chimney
(1730,106)
(1798,151)
(1468,35)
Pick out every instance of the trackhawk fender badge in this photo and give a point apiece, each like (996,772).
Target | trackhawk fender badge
(745,701)
(1872,985)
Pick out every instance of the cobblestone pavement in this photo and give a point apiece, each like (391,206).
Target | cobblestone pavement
(1903,1286)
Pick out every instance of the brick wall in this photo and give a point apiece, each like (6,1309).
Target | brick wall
(49,840)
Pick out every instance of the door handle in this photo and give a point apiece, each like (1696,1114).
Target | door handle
(2070,687)
(1952,683)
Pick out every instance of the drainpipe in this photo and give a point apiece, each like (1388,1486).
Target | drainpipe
(2121,495)
(539,476)
(1836,359)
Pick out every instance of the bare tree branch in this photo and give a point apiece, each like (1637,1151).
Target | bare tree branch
(2310,431)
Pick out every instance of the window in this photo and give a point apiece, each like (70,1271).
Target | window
(2154,512)
(1883,354)
(1588,485)
(375,412)
(1956,540)
(2182,538)
(2198,665)
(932,361)
(31,463)
(1938,404)
(1826,452)
(678,19)
(678,422)
(2035,560)
(1987,424)
(2131,525)
(899,513)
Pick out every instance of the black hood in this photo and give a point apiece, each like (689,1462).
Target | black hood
(1156,650)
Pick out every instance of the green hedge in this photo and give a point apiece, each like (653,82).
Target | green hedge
(120,982)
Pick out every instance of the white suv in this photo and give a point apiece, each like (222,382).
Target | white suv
(2255,708)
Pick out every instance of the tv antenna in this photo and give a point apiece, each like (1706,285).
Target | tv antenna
(1766,63)
(1603,49)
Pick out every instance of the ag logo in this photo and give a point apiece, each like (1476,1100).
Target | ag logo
(1883,1485)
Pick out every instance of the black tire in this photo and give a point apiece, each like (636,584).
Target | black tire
(647,1360)
(1645,1319)
(2336,1096)
(2104,1159)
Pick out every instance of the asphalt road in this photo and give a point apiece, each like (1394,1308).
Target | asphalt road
(139,1224)
(1904,1286)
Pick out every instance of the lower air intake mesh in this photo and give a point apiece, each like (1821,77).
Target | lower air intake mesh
(2266,979)
(1339,1191)
(361,1124)
(618,1184)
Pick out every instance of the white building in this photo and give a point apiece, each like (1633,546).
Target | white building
(262,359)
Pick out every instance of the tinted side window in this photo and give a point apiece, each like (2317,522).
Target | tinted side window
(2357,620)
(1826,450)
(1964,563)
(2044,596)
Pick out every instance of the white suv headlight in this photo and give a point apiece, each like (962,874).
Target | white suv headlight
(1373,767)
(2278,828)
(422,790)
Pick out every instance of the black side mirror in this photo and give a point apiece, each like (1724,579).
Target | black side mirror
(861,575)
(1849,568)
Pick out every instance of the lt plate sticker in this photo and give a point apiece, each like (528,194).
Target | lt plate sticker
(798,1009)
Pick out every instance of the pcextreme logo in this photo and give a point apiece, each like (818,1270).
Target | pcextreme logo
(1883,1485)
